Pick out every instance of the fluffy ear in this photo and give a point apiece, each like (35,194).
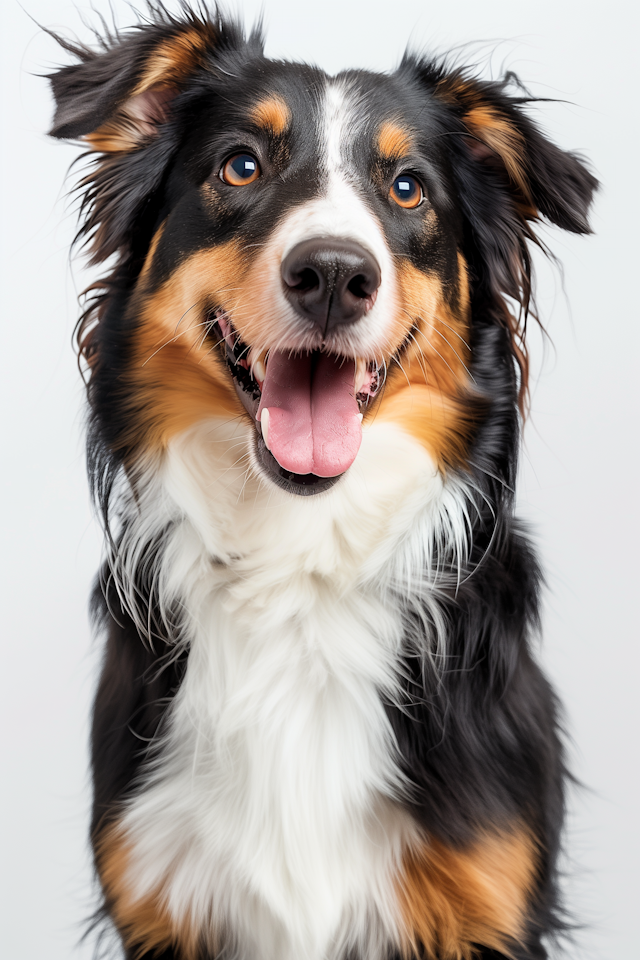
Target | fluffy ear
(117,95)
(544,179)
(119,99)
(508,175)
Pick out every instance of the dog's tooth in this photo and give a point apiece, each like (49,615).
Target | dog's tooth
(360,417)
(259,370)
(361,374)
(264,424)
(257,364)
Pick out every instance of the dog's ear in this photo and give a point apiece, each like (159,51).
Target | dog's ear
(120,100)
(117,96)
(543,179)
(508,175)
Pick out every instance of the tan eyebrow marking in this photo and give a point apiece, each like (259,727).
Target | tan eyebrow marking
(273,114)
(393,140)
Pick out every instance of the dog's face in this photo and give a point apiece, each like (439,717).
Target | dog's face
(302,251)
(314,240)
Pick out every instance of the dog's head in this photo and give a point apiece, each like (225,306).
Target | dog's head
(303,251)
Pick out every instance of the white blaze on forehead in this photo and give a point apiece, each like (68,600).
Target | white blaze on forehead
(340,210)
(339,121)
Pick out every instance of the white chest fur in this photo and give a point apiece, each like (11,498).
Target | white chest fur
(270,811)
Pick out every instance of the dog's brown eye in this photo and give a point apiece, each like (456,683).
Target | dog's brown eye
(406,191)
(240,170)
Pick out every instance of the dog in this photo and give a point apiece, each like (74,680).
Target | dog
(319,731)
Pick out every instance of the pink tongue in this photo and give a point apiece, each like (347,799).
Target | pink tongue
(313,418)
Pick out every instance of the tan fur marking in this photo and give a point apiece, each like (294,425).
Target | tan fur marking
(174,60)
(272,114)
(254,313)
(393,141)
(176,377)
(145,923)
(429,394)
(452,899)
(502,138)
(151,252)
(118,135)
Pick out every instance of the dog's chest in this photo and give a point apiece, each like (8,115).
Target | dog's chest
(270,808)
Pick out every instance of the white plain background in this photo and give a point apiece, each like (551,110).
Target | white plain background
(578,485)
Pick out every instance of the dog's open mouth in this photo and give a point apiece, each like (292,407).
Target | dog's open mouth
(307,408)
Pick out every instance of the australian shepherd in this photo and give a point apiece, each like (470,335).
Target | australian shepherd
(319,731)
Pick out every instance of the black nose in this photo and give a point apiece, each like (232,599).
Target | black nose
(330,282)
